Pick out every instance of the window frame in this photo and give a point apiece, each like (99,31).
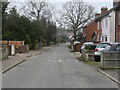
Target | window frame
(119,37)
(106,38)
(106,23)
(99,38)
(99,25)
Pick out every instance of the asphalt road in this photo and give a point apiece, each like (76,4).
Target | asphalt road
(56,68)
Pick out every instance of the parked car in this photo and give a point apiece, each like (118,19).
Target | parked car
(114,47)
(83,46)
(100,47)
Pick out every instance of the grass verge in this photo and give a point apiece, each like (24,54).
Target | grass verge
(111,68)
(89,61)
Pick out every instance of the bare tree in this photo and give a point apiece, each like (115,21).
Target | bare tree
(48,12)
(37,9)
(76,15)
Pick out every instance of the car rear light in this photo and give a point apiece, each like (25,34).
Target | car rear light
(96,49)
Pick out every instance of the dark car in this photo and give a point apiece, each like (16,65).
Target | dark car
(114,47)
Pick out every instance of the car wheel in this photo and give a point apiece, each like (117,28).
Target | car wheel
(97,58)
(80,51)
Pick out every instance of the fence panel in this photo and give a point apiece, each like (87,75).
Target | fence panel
(110,59)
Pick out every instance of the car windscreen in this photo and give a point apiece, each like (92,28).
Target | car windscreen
(107,48)
(118,48)
(90,46)
(101,45)
(115,47)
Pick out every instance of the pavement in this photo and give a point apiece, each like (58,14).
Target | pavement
(112,74)
(55,68)
(14,60)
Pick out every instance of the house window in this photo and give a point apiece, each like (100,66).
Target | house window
(99,38)
(98,25)
(119,19)
(106,22)
(102,38)
(106,39)
(102,24)
(119,37)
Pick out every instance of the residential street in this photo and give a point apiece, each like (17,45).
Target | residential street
(55,68)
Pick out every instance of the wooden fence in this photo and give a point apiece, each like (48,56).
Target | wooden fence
(16,43)
(110,59)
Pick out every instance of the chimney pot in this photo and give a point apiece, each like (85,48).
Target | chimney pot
(104,10)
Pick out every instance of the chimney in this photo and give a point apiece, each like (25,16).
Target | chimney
(104,10)
(97,14)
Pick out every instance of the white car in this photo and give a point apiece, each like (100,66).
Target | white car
(83,46)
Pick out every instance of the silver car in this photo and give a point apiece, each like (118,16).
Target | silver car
(100,47)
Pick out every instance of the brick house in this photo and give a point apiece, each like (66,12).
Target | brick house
(117,21)
(93,30)
(105,27)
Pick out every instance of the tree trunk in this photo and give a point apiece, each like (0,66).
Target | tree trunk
(74,34)
(38,15)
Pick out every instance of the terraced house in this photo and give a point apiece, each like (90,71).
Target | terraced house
(92,31)
(105,27)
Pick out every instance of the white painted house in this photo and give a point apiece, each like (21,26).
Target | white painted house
(108,27)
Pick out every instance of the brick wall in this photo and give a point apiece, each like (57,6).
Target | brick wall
(117,27)
(90,29)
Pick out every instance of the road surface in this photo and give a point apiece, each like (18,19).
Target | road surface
(56,68)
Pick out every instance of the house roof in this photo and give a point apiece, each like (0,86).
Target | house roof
(115,8)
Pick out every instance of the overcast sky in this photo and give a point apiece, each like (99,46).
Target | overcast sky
(58,3)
